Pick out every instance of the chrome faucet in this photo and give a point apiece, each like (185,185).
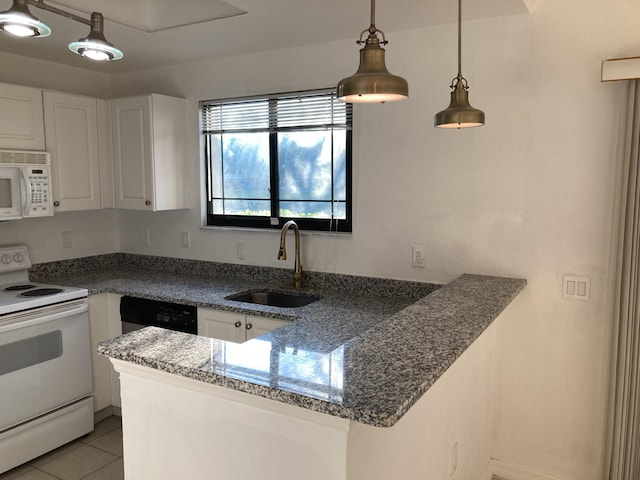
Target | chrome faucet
(282,253)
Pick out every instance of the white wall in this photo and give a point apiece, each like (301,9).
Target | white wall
(531,194)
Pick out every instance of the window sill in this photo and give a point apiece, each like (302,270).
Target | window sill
(272,230)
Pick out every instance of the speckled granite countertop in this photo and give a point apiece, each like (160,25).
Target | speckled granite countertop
(361,357)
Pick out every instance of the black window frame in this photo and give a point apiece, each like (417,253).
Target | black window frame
(344,225)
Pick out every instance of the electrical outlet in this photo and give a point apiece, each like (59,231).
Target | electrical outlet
(66,239)
(186,240)
(241,251)
(417,256)
(146,236)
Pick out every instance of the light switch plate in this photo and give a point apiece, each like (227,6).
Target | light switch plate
(576,288)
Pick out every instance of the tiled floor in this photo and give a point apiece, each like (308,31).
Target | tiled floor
(97,456)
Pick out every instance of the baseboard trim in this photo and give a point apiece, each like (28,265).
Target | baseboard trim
(102,414)
(499,470)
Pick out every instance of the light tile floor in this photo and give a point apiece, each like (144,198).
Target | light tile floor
(97,456)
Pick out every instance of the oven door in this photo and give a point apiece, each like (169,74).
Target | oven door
(45,361)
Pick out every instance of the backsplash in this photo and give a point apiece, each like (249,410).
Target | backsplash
(46,272)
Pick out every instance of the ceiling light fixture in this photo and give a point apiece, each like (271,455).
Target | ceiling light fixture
(95,46)
(459,114)
(372,82)
(19,21)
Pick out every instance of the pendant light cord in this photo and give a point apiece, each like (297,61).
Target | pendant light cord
(459,38)
(373,13)
(373,30)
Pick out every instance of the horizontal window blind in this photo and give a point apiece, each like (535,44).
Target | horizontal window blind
(315,110)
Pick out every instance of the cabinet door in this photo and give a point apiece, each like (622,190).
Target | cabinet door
(169,139)
(132,153)
(21,122)
(221,325)
(256,326)
(71,132)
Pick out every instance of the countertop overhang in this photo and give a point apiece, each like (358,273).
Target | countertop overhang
(366,359)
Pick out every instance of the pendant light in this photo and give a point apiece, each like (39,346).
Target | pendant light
(372,83)
(95,46)
(459,114)
(18,21)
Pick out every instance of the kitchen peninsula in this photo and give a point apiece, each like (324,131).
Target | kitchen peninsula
(308,400)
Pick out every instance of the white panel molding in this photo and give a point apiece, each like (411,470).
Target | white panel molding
(499,470)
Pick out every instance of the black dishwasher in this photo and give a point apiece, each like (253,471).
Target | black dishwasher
(137,313)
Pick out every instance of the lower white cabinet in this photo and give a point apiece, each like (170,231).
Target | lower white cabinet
(234,327)
(104,323)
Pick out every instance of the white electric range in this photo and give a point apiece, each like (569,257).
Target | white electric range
(45,363)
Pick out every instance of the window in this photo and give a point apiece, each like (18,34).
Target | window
(278,157)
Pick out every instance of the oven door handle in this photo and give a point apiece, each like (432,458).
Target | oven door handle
(50,314)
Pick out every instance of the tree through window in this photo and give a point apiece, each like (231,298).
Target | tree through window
(278,157)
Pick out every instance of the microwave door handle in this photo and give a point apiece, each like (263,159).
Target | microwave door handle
(26,193)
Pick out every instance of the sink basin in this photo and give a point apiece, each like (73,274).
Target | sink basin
(274,298)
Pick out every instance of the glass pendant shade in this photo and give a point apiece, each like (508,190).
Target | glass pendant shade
(372,83)
(459,113)
(18,21)
(95,46)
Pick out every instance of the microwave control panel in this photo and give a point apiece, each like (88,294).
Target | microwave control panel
(39,201)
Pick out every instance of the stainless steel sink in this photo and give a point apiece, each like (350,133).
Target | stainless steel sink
(274,298)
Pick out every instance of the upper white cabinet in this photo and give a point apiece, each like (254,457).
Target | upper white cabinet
(21,121)
(74,128)
(149,148)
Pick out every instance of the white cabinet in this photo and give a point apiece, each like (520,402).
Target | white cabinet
(75,131)
(149,149)
(234,327)
(104,323)
(256,326)
(21,122)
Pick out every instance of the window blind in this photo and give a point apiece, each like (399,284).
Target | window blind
(317,109)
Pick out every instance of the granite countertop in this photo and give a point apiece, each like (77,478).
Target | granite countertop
(368,358)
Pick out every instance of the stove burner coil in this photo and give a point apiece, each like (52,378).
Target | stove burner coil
(41,292)
(18,288)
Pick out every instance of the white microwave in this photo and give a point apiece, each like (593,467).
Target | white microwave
(25,190)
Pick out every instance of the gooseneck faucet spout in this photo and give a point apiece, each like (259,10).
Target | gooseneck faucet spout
(282,252)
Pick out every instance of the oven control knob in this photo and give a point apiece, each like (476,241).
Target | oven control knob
(18,257)
(6,259)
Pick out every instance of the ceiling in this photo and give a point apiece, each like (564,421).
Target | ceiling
(154,33)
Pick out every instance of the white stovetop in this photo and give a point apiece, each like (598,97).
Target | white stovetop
(14,270)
